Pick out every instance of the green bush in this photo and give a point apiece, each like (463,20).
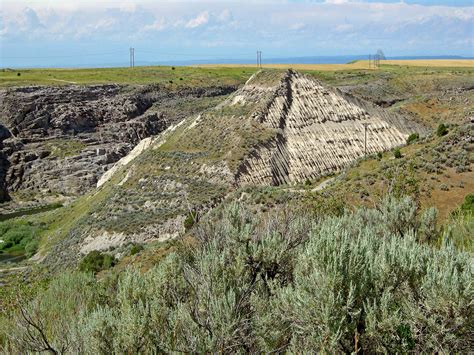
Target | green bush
(397,153)
(19,236)
(468,204)
(136,248)
(412,138)
(359,282)
(50,322)
(442,130)
(96,261)
(31,248)
(190,220)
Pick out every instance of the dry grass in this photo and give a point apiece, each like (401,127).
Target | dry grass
(447,201)
(360,64)
(469,63)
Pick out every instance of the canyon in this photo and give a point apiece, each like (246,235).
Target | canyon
(60,140)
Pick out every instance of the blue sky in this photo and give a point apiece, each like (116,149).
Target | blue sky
(58,32)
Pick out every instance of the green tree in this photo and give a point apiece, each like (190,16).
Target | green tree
(442,130)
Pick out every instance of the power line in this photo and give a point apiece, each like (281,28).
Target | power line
(189,54)
(62,56)
(78,55)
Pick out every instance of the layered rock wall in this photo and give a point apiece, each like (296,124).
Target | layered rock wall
(60,140)
(320,131)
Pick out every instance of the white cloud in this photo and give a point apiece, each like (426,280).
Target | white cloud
(199,20)
(158,25)
(225,16)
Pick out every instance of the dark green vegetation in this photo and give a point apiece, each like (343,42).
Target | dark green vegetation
(174,77)
(442,130)
(19,237)
(468,205)
(397,154)
(367,281)
(135,249)
(29,211)
(96,261)
(412,138)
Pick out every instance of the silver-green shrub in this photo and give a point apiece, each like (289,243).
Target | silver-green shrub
(367,281)
(49,322)
(354,290)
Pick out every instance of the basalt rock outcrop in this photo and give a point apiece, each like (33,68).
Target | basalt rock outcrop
(60,140)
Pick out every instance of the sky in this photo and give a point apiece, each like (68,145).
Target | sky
(99,32)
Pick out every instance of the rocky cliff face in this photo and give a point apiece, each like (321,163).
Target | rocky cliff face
(60,140)
(320,130)
(4,165)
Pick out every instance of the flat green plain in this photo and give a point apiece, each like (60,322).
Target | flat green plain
(171,76)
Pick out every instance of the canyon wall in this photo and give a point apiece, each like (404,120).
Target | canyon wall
(60,140)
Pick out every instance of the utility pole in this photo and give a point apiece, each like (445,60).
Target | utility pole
(259,59)
(132,57)
(365,124)
(370,61)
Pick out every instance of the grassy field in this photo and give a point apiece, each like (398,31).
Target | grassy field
(202,75)
(171,76)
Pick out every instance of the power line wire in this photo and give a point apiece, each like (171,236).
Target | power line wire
(189,54)
(62,56)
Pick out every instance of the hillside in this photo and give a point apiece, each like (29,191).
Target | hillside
(279,128)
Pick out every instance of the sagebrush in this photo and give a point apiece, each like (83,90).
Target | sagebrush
(369,280)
